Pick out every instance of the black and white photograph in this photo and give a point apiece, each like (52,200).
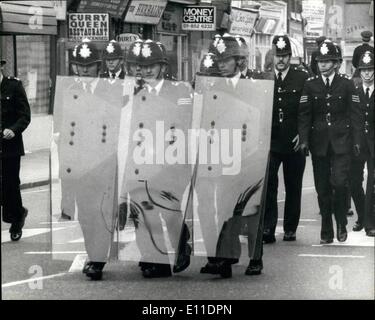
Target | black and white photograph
(187,155)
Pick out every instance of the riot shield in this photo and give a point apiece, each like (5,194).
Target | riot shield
(234,143)
(155,175)
(84,166)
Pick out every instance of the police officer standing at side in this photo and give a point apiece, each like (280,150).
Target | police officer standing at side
(326,122)
(289,83)
(15,117)
(360,50)
(364,146)
(113,57)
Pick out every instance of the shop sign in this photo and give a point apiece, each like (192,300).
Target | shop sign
(145,11)
(314,12)
(60,7)
(93,26)
(199,18)
(171,19)
(126,39)
(114,7)
(242,21)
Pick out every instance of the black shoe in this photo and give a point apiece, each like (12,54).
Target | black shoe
(326,241)
(254,268)
(65,216)
(268,237)
(370,232)
(16,228)
(86,267)
(342,234)
(358,226)
(95,270)
(289,236)
(144,265)
(157,271)
(183,260)
(350,213)
(210,267)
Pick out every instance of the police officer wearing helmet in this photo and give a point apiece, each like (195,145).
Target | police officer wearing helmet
(87,60)
(327,119)
(230,54)
(314,63)
(147,61)
(114,61)
(361,49)
(15,118)
(288,88)
(364,148)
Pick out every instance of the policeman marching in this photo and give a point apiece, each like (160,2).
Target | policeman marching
(15,118)
(113,56)
(360,50)
(289,82)
(326,122)
(364,145)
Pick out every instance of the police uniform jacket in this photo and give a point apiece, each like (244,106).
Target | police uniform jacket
(15,115)
(286,99)
(328,116)
(366,134)
(106,74)
(359,51)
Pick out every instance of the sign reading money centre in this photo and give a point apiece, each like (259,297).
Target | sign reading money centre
(199,18)
(93,26)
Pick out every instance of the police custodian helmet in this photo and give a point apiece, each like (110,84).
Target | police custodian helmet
(113,50)
(366,61)
(85,53)
(328,51)
(227,46)
(281,45)
(145,53)
(208,66)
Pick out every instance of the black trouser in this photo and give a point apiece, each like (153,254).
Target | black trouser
(369,220)
(293,168)
(12,209)
(356,180)
(331,174)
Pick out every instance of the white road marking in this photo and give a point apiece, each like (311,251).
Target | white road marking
(26,233)
(329,256)
(78,263)
(58,222)
(16,283)
(301,220)
(54,252)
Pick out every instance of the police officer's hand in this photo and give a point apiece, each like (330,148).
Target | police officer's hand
(8,134)
(304,149)
(296,146)
(357,150)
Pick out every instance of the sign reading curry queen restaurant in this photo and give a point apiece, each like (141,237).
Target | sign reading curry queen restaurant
(93,26)
(199,18)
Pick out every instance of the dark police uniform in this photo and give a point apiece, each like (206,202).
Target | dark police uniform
(365,141)
(15,115)
(325,124)
(287,93)
(107,74)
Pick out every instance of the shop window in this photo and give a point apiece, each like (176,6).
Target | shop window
(33,68)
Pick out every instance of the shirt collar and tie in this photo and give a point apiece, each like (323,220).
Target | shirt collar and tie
(368,90)
(115,75)
(155,90)
(234,80)
(328,80)
(280,75)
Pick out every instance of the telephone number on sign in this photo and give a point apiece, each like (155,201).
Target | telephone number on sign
(197,26)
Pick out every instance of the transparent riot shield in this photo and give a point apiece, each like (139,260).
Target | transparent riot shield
(234,142)
(84,166)
(155,175)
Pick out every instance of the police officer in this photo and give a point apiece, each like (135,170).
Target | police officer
(289,83)
(364,144)
(148,62)
(326,122)
(360,50)
(229,55)
(114,61)
(15,117)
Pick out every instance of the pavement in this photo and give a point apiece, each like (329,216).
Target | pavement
(35,169)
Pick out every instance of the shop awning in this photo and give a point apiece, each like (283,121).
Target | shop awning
(28,17)
(114,8)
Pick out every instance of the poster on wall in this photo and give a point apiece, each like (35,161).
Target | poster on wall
(314,12)
(199,18)
(242,21)
(147,12)
(93,26)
